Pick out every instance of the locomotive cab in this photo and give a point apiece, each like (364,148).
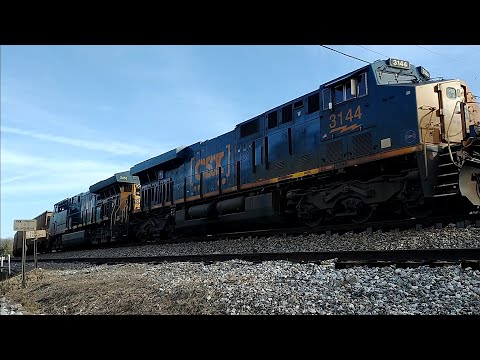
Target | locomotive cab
(117,198)
(448,117)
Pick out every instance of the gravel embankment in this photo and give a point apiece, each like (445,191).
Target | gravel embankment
(7,308)
(448,237)
(239,287)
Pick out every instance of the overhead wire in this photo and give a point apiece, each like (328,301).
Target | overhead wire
(448,57)
(373,51)
(376,52)
(475,49)
(353,57)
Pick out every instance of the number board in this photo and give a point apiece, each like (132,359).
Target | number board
(24,225)
(402,64)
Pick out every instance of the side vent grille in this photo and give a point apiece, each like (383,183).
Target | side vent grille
(279,165)
(361,144)
(305,158)
(334,151)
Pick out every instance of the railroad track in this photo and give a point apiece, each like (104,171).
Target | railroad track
(369,227)
(401,258)
(386,225)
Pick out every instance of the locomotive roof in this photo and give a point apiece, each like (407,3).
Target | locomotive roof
(346,76)
(178,153)
(122,177)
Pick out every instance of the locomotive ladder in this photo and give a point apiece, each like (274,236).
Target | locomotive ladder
(447,176)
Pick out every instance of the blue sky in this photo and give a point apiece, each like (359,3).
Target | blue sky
(74,115)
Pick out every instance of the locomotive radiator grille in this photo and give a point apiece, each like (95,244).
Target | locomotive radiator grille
(334,151)
(305,158)
(361,144)
(279,165)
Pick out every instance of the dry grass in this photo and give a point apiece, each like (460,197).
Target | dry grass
(107,290)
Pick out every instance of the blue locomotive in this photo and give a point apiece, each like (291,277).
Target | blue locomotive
(384,140)
(100,215)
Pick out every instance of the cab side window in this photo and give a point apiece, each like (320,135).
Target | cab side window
(343,91)
(362,85)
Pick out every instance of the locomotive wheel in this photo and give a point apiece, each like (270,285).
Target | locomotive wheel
(363,215)
(315,220)
(310,215)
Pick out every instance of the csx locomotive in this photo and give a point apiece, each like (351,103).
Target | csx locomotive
(384,140)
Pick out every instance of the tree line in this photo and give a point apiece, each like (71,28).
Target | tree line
(6,246)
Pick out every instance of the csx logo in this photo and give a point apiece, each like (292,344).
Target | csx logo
(210,163)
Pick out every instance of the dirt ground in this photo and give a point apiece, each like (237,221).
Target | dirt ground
(103,291)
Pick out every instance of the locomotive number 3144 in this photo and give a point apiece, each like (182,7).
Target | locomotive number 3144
(339,119)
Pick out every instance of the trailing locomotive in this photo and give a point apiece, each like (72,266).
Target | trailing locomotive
(384,140)
(100,215)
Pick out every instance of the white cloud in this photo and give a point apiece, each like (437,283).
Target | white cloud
(118,148)
(51,174)
(15,178)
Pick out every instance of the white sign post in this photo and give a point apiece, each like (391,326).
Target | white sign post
(23,226)
(35,252)
(35,235)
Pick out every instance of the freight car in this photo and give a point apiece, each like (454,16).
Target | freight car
(383,141)
(43,223)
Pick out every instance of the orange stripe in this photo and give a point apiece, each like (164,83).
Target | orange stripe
(229,190)
(192,198)
(210,194)
(384,155)
(246,186)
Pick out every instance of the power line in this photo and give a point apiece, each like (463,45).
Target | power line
(353,57)
(471,47)
(448,57)
(363,47)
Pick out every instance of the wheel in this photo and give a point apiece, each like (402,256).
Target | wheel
(314,220)
(364,213)
(310,215)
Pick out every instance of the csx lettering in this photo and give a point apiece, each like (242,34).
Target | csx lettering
(211,163)
(341,121)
